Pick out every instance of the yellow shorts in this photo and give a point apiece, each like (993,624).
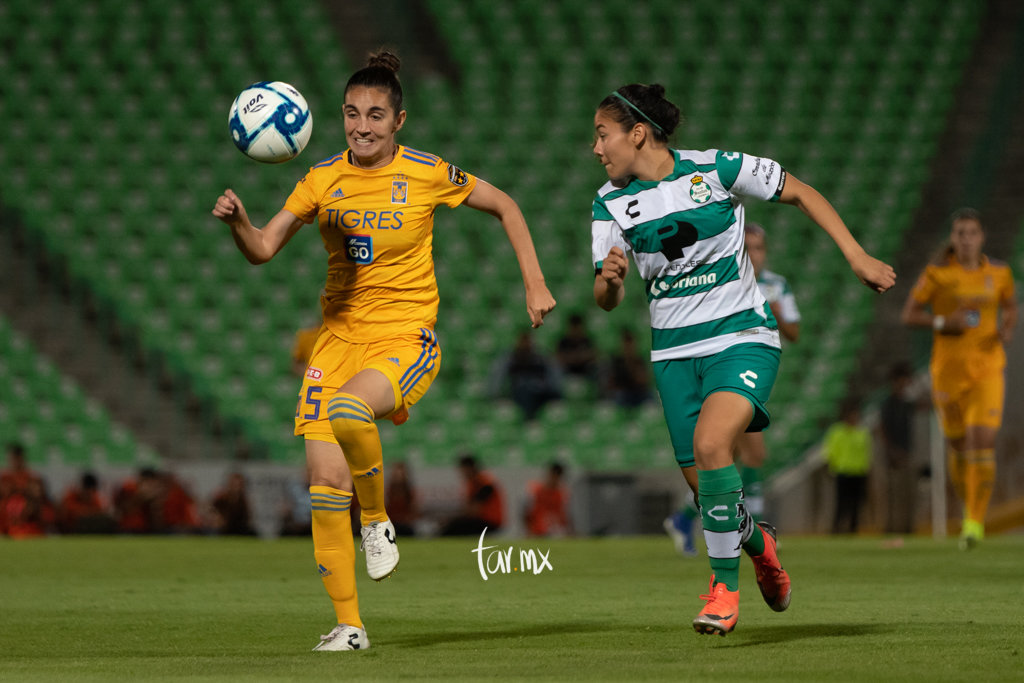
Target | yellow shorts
(963,403)
(410,362)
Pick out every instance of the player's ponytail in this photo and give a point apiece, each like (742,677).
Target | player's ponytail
(381,71)
(384,58)
(639,103)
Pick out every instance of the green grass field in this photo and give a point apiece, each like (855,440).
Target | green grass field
(138,609)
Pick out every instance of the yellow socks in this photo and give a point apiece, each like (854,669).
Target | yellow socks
(335,550)
(353,427)
(979,477)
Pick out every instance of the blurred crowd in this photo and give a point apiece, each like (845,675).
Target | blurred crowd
(151,502)
(532,378)
(154,501)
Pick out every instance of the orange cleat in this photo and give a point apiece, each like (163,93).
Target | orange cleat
(772,579)
(721,611)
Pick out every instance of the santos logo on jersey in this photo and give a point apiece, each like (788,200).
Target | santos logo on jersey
(700,191)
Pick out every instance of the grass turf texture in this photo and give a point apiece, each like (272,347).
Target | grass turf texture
(610,609)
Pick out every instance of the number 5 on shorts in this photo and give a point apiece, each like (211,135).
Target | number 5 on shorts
(312,400)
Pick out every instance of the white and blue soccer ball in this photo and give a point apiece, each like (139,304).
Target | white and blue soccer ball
(270,122)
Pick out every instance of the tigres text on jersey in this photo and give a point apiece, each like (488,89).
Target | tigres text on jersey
(377,227)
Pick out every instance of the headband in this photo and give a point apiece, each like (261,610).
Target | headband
(635,108)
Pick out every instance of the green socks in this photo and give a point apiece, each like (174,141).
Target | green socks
(727,524)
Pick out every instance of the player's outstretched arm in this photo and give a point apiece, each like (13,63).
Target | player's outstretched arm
(789,329)
(876,274)
(489,199)
(258,245)
(1008,319)
(918,314)
(609,285)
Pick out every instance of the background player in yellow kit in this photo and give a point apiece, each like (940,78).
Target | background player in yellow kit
(376,353)
(972,313)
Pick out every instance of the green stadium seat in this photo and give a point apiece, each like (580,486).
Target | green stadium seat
(520,84)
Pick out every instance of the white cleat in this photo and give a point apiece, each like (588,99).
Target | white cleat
(381,549)
(343,637)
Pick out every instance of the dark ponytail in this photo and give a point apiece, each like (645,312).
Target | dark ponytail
(381,71)
(638,103)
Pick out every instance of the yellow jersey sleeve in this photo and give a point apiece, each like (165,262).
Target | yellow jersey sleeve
(924,289)
(453,184)
(303,201)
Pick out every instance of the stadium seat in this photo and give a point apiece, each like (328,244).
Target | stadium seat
(520,117)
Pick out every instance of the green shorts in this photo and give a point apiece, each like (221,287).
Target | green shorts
(745,369)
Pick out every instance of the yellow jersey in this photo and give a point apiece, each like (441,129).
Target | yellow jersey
(950,287)
(377,227)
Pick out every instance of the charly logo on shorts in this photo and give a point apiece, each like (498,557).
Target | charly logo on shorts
(315,374)
(700,191)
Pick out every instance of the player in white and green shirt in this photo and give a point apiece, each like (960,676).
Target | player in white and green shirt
(715,343)
(750,447)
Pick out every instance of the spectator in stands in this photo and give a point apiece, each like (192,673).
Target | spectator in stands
(136,504)
(231,514)
(27,511)
(680,214)
(750,447)
(401,500)
(377,353)
(83,509)
(895,432)
(527,376)
(629,380)
(547,512)
(6,488)
(25,507)
(156,503)
(576,353)
(847,450)
(483,503)
(17,475)
(968,301)
(179,514)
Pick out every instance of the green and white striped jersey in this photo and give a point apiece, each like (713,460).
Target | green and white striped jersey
(775,289)
(685,234)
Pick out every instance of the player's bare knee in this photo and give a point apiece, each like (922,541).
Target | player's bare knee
(711,451)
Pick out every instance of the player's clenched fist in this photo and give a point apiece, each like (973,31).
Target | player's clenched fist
(229,208)
(614,267)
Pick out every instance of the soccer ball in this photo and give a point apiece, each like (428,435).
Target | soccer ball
(270,122)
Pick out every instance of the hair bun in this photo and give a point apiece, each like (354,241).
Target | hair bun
(386,59)
(657,90)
